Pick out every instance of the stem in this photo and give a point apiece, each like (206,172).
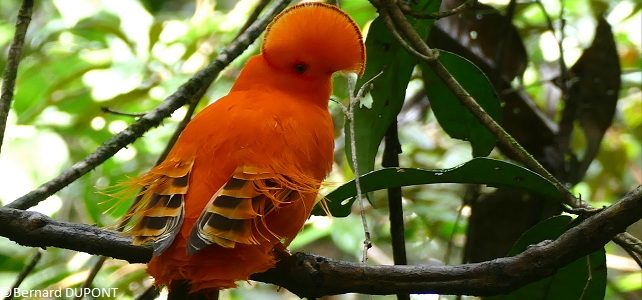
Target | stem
(395,207)
(25,272)
(570,105)
(13,60)
(108,110)
(92,275)
(354,100)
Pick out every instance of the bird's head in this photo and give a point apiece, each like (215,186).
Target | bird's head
(314,40)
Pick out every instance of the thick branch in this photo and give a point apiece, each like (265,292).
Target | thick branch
(314,276)
(37,230)
(13,60)
(184,94)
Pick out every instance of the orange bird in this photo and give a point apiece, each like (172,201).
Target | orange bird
(244,174)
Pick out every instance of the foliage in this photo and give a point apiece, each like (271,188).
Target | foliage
(82,56)
(564,284)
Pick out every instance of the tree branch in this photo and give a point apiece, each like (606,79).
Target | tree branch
(313,276)
(184,94)
(37,230)
(389,9)
(13,60)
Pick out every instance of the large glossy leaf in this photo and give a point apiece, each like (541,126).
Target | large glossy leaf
(453,117)
(478,171)
(569,282)
(593,96)
(488,33)
(388,91)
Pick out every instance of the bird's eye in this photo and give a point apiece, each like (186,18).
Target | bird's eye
(300,67)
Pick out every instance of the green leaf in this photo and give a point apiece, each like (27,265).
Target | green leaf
(40,82)
(100,27)
(478,171)
(361,12)
(388,91)
(569,282)
(453,117)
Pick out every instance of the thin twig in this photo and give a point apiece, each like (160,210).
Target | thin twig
(253,16)
(13,60)
(560,40)
(449,247)
(92,275)
(522,87)
(631,245)
(183,95)
(349,114)
(354,101)
(25,272)
(108,110)
(438,15)
(590,277)
(386,19)
(560,45)
(570,105)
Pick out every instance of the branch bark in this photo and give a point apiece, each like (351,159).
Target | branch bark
(13,60)
(311,276)
(184,94)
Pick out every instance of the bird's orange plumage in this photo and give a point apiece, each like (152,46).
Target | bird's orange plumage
(243,176)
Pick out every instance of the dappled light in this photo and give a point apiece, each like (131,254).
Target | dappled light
(556,131)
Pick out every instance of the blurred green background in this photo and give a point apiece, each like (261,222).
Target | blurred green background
(128,55)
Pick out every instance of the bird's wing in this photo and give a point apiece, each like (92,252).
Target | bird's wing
(236,214)
(158,215)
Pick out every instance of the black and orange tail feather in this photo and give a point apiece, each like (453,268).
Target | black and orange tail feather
(158,215)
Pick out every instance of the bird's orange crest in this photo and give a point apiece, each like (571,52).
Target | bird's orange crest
(320,36)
